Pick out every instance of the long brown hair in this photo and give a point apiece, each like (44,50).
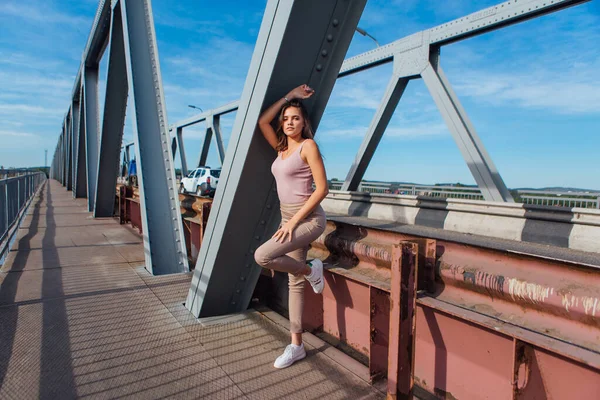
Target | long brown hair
(307,132)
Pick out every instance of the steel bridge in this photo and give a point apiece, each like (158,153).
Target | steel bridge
(426,294)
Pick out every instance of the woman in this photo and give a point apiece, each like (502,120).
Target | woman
(298,164)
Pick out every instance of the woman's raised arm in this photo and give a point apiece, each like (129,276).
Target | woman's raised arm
(265,119)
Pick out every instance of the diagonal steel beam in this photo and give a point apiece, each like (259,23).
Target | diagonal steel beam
(205,146)
(288,52)
(216,128)
(115,105)
(164,241)
(384,113)
(489,181)
(498,186)
(173,148)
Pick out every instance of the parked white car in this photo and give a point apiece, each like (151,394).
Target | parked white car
(201,181)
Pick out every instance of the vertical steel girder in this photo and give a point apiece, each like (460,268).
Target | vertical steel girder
(244,213)
(179,139)
(115,106)
(61,156)
(75,113)
(384,113)
(70,149)
(479,162)
(80,163)
(90,92)
(164,241)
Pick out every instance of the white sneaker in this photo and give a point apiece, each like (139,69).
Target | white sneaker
(316,275)
(291,354)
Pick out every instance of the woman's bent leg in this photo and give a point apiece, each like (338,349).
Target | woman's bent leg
(273,254)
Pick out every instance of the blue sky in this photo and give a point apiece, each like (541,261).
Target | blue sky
(531,90)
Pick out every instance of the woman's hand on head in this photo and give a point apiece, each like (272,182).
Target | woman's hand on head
(285,232)
(301,92)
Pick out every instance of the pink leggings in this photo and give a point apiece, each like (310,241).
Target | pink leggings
(290,256)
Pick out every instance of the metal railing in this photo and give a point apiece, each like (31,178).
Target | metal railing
(456,192)
(560,199)
(15,195)
(536,197)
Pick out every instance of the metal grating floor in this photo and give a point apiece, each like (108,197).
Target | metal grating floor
(80,318)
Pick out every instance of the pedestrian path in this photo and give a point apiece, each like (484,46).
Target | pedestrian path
(81,318)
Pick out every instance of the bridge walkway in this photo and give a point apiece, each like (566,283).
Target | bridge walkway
(81,318)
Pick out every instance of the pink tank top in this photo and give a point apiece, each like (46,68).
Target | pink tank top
(294,178)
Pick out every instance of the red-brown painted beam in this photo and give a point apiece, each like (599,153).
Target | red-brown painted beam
(402,321)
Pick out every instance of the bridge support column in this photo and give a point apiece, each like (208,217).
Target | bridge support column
(244,214)
(90,92)
(115,105)
(164,241)
(80,162)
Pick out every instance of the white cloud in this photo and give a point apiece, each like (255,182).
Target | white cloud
(405,132)
(566,92)
(41,13)
(25,110)
(18,134)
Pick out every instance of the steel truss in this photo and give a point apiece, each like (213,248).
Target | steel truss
(225,273)
(213,129)
(417,56)
(89,150)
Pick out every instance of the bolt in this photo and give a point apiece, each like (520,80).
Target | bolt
(262,222)
(335,22)
(324,53)
(242,278)
(319,67)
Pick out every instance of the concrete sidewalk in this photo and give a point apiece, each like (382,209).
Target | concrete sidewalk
(80,317)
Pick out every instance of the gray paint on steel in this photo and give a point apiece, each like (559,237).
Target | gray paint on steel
(244,213)
(115,105)
(164,241)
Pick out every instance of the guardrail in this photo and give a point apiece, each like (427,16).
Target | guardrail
(536,197)
(15,195)
(560,199)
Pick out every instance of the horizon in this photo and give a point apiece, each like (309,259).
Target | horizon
(531,90)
